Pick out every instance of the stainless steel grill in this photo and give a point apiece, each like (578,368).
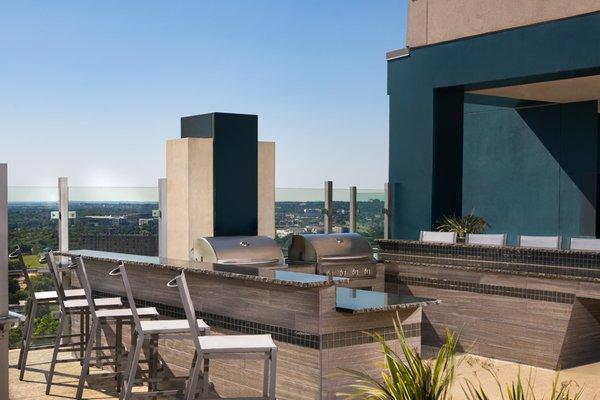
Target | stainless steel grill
(257,251)
(346,254)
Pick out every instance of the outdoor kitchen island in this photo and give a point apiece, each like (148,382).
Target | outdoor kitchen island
(318,324)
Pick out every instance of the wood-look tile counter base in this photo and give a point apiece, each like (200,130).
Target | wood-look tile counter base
(314,339)
(550,323)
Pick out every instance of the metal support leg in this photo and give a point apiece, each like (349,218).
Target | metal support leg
(118,351)
(61,326)
(266,374)
(205,376)
(153,363)
(86,358)
(273,375)
(27,343)
(133,367)
(28,306)
(192,383)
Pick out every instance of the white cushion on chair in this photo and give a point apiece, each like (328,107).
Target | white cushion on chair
(588,244)
(102,302)
(438,237)
(486,239)
(51,294)
(126,312)
(540,242)
(170,326)
(236,343)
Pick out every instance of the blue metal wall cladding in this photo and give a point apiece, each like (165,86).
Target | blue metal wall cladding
(428,142)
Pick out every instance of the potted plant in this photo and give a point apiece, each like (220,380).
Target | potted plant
(469,223)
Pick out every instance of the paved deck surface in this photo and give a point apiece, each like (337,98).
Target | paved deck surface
(471,367)
(65,380)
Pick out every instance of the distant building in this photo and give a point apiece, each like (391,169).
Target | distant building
(146,245)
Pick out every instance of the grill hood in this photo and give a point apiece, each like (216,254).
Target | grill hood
(239,250)
(330,248)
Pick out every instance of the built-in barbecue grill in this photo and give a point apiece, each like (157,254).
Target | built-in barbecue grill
(345,254)
(256,251)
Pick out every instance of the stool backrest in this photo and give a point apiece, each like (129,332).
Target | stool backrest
(587,244)
(120,271)
(184,292)
(540,242)
(486,239)
(77,262)
(56,278)
(18,255)
(437,237)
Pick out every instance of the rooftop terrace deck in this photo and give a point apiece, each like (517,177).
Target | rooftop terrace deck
(472,368)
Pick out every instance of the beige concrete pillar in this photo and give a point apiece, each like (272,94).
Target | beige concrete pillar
(266,189)
(189,194)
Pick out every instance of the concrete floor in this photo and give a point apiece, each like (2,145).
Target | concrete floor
(65,380)
(476,369)
(471,367)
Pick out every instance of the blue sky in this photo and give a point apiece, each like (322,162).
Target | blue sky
(92,90)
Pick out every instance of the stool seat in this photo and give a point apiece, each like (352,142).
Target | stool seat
(236,343)
(52,295)
(170,326)
(102,302)
(126,312)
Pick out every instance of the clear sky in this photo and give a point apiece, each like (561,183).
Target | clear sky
(92,90)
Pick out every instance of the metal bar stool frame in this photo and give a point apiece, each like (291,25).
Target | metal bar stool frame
(150,330)
(35,300)
(225,347)
(69,308)
(119,316)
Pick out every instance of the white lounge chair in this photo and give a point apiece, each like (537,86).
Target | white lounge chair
(224,346)
(486,239)
(437,237)
(150,330)
(585,244)
(540,242)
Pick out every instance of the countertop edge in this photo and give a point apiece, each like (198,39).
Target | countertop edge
(222,274)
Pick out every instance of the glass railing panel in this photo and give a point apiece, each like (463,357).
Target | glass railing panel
(116,219)
(369,220)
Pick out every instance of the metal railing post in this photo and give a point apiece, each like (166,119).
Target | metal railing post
(63,214)
(353,209)
(328,208)
(4,325)
(387,211)
(162,217)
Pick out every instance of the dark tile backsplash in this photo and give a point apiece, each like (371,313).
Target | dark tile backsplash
(558,262)
(304,339)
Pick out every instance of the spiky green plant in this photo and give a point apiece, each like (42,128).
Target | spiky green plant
(520,390)
(413,379)
(469,223)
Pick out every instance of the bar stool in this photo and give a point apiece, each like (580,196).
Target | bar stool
(34,300)
(69,308)
(151,330)
(213,347)
(117,315)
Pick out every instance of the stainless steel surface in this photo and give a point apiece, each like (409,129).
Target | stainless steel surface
(387,211)
(353,209)
(239,250)
(328,207)
(344,254)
